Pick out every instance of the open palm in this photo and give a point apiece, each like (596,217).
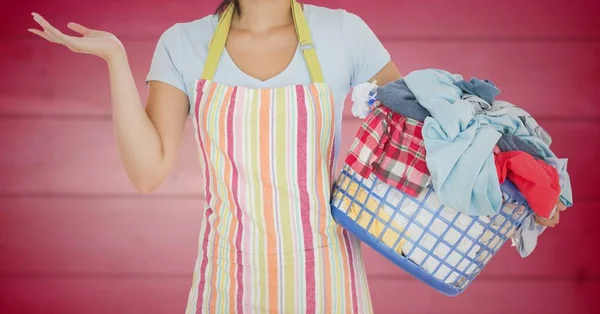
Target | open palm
(95,42)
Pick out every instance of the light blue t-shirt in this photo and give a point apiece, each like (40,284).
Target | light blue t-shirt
(348,51)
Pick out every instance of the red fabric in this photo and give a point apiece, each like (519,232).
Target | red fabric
(537,181)
(391,146)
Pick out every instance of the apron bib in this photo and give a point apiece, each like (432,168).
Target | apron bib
(268,242)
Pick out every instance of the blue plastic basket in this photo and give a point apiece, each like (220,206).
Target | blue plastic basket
(436,244)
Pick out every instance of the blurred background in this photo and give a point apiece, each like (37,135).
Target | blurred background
(75,237)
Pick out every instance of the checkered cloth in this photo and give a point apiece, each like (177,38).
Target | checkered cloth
(390,146)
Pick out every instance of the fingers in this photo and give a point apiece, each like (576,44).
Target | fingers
(545,222)
(47,28)
(560,206)
(78,28)
(54,34)
(41,34)
(551,222)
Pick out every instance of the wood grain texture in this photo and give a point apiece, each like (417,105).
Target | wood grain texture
(79,156)
(76,238)
(506,297)
(64,156)
(579,141)
(560,254)
(99,236)
(93,295)
(424,19)
(549,79)
(145,236)
(162,295)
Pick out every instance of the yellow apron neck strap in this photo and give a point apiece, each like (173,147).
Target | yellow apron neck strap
(307,47)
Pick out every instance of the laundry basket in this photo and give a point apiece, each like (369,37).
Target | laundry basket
(436,244)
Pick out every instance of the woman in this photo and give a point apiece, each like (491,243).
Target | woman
(267,109)
(264,83)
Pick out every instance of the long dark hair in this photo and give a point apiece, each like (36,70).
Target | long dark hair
(225,3)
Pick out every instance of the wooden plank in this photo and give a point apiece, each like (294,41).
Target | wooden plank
(550,80)
(48,79)
(508,296)
(388,18)
(572,239)
(100,236)
(93,295)
(127,19)
(108,236)
(79,157)
(575,140)
(547,78)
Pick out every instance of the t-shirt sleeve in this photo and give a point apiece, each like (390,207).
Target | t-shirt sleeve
(167,62)
(365,54)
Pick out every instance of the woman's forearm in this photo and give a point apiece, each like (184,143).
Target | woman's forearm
(137,138)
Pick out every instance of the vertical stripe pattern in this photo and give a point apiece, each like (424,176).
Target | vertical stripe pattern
(268,242)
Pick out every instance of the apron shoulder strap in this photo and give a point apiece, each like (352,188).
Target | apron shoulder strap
(306,44)
(217,44)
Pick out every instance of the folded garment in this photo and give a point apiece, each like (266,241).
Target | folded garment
(525,239)
(508,123)
(501,108)
(396,96)
(535,128)
(560,164)
(536,180)
(436,92)
(510,142)
(479,105)
(462,169)
(459,147)
(526,236)
(453,114)
(390,146)
(482,88)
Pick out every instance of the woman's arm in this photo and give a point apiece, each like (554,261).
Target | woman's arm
(367,58)
(388,73)
(148,140)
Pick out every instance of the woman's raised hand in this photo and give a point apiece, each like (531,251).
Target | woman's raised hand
(99,43)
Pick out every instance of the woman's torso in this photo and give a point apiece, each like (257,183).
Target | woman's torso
(268,148)
(326,28)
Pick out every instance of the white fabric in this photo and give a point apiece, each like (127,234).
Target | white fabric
(360,99)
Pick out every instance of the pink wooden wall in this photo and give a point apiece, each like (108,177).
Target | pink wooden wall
(76,238)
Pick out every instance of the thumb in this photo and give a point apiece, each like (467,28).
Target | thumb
(78,28)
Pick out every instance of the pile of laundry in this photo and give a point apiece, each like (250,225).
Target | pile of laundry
(435,131)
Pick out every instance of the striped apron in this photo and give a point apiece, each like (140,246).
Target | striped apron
(268,243)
